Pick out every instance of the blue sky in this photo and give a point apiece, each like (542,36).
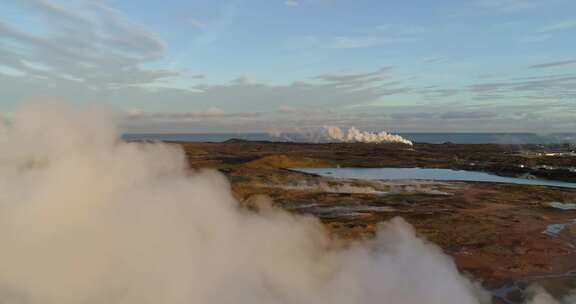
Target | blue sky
(256,65)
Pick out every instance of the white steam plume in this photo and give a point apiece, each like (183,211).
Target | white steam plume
(3,124)
(355,135)
(86,218)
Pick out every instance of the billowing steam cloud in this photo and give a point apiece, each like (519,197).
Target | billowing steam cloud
(86,218)
(355,135)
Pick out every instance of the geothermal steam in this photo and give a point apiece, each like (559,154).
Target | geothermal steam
(86,218)
(336,134)
(355,135)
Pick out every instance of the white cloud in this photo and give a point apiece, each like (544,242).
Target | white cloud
(327,89)
(507,5)
(10,71)
(435,60)
(345,42)
(238,95)
(85,41)
(398,29)
(553,64)
(292,3)
(303,43)
(383,34)
(535,38)
(547,32)
(211,112)
(196,23)
(560,26)
(349,42)
(549,87)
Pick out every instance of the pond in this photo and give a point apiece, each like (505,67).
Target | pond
(429,174)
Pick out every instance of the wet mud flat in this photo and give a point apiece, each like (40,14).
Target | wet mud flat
(508,236)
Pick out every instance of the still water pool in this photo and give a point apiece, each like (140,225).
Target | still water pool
(429,174)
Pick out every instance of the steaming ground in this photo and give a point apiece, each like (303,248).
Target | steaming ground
(86,218)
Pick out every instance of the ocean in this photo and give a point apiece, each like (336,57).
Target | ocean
(432,138)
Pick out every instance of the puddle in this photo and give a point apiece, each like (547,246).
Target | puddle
(562,206)
(429,174)
(510,294)
(556,229)
(339,211)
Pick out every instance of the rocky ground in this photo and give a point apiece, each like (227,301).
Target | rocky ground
(507,235)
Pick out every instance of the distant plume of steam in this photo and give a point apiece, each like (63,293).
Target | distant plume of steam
(3,125)
(333,133)
(87,218)
(355,135)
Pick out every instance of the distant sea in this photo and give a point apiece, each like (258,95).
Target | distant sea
(432,138)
